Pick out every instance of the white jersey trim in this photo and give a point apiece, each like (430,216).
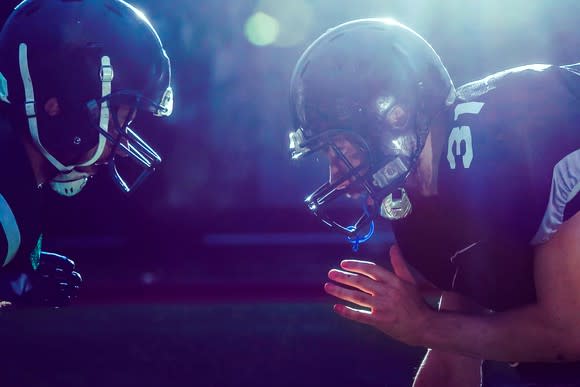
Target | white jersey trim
(11,230)
(565,186)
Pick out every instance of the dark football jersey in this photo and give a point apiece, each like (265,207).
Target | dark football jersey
(508,177)
(20,203)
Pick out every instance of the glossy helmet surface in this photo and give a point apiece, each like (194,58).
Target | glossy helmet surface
(379,85)
(92,56)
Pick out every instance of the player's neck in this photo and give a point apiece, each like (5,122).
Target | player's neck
(424,180)
(437,138)
(427,169)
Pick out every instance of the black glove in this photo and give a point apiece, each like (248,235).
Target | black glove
(54,283)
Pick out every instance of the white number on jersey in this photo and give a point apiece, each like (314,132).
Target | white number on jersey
(462,135)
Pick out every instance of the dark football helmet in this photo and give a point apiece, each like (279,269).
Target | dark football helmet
(377,85)
(94,57)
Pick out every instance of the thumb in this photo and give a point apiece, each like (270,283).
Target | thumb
(400,265)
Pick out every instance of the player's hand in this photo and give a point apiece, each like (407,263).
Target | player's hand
(54,283)
(391,302)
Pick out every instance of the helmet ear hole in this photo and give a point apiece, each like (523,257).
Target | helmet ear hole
(52,107)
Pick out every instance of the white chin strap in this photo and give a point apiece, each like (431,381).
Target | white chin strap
(62,183)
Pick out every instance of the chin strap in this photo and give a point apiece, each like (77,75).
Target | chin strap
(67,182)
(106,74)
(30,106)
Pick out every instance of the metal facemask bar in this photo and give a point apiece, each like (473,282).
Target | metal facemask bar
(126,141)
(106,76)
(328,192)
(377,184)
(140,151)
(318,200)
(358,232)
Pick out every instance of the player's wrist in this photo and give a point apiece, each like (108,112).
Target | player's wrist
(424,322)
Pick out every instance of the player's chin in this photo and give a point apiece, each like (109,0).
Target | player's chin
(354,192)
(358,195)
(91,170)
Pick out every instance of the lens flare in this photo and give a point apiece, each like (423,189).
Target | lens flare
(262,29)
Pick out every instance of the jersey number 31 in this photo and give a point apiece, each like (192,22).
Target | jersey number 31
(460,136)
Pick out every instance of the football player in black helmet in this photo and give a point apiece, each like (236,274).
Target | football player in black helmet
(481,186)
(74,75)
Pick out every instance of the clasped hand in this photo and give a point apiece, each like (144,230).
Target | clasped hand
(54,283)
(388,301)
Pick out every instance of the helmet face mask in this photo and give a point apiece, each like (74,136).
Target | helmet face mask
(93,57)
(348,165)
(125,146)
(378,84)
(351,197)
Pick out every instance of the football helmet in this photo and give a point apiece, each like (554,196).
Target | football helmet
(94,58)
(376,85)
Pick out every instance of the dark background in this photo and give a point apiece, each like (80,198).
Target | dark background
(212,273)
(226,184)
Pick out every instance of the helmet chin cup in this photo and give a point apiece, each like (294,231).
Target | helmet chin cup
(69,184)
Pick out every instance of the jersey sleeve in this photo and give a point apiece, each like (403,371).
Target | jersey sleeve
(563,200)
(10,240)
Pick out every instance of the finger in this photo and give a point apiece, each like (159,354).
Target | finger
(370,269)
(76,278)
(358,315)
(354,280)
(355,296)
(51,260)
(54,275)
(400,266)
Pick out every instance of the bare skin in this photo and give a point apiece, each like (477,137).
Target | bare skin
(338,168)
(445,369)
(393,303)
(546,331)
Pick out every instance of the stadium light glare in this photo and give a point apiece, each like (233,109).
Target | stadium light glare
(261,29)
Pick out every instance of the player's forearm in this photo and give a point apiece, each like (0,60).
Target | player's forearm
(524,334)
(448,370)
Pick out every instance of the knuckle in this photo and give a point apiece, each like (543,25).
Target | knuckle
(355,280)
(359,297)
